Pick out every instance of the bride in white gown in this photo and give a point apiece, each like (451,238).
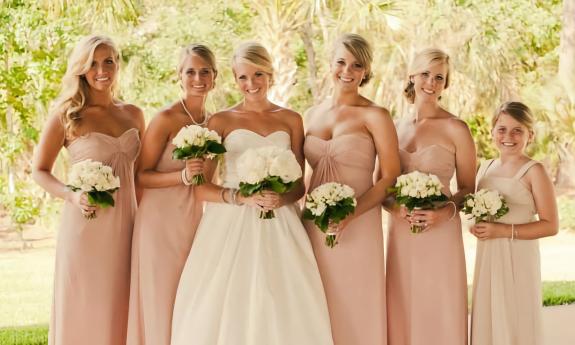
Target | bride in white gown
(251,281)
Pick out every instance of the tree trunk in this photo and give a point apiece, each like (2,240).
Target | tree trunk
(567,49)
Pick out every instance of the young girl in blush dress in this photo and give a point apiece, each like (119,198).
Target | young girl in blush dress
(168,215)
(92,275)
(345,136)
(426,279)
(507,283)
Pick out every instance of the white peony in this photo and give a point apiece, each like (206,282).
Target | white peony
(286,166)
(252,167)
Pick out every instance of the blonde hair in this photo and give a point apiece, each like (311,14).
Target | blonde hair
(256,55)
(517,110)
(72,98)
(360,49)
(200,50)
(420,63)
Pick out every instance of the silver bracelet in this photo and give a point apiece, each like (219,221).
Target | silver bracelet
(512,232)
(236,198)
(454,210)
(185,180)
(222,195)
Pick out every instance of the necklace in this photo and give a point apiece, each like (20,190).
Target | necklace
(201,123)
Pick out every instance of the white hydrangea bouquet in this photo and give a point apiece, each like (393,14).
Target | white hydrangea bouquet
(329,203)
(267,168)
(418,190)
(197,142)
(96,180)
(485,205)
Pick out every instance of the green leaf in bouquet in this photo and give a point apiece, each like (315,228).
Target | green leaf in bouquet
(182,152)
(274,183)
(215,147)
(102,199)
(247,189)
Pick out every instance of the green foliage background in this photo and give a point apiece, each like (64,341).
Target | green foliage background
(499,51)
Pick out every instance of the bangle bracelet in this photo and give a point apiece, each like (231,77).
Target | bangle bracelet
(222,192)
(454,210)
(230,196)
(236,198)
(234,194)
(184,177)
(512,232)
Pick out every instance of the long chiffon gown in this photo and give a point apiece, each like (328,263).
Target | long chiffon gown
(250,281)
(164,229)
(92,276)
(353,272)
(507,284)
(426,279)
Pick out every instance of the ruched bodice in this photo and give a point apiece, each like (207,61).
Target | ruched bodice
(238,141)
(433,159)
(105,148)
(349,158)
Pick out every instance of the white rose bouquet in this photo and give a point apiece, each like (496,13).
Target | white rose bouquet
(197,142)
(96,180)
(267,168)
(418,190)
(485,205)
(329,203)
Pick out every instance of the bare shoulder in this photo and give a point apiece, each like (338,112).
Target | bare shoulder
(375,114)
(54,126)
(537,171)
(457,125)
(132,109)
(219,120)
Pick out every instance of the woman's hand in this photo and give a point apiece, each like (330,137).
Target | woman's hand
(429,218)
(264,201)
(194,166)
(80,200)
(488,231)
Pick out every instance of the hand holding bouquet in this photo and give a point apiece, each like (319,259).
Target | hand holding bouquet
(485,205)
(267,168)
(327,204)
(97,181)
(197,142)
(417,190)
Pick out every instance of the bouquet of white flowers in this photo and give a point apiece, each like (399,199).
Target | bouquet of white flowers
(96,180)
(197,142)
(329,203)
(267,168)
(485,205)
(417,190)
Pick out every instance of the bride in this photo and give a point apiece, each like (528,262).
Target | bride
(251,281)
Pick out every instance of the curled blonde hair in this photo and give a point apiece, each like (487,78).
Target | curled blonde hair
(360,49)
(72,98)
(517,110)
(255,54)
(200,50)
(420,63)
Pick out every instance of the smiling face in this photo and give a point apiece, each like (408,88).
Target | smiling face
(252,80)
(102,72)
(347,72)
(429,83)
(510,136)
(197,76)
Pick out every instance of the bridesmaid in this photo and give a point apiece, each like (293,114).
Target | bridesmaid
(346,134)
(167,217)
(92,276)
(426,280)
(507,283)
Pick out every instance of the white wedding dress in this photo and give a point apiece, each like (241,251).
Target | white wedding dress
(250,281)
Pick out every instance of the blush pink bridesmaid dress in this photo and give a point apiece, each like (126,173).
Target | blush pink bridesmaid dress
(426,279)
(164,229)
(92,276)
(353,272)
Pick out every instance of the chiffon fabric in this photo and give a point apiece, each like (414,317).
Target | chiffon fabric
(92,274)
(426,279)
(164,229)
(353,272)
(250,281)
(507,302)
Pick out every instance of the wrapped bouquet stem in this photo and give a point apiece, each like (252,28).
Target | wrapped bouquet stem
(267,168)
(97,181)
(327,205)
(197,142)
(418,191)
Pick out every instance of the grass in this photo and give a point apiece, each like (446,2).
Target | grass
(30,335)
(558,293)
